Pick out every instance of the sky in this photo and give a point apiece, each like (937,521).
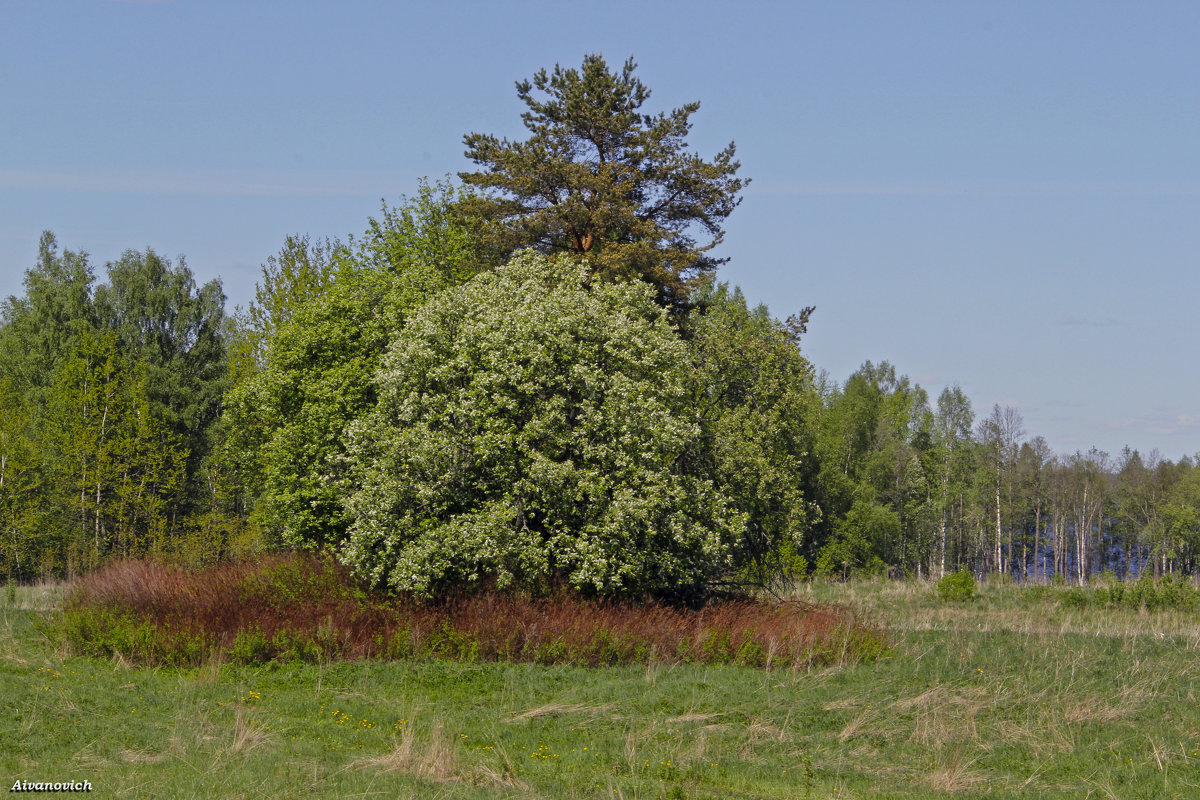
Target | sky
(999,195)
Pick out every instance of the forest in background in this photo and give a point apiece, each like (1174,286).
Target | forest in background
(636,425)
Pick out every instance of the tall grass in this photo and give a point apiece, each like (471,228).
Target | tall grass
(304,608)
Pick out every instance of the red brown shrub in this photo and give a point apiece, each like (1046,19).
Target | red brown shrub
(297,606)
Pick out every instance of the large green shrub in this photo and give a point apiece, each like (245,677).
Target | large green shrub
(531,427)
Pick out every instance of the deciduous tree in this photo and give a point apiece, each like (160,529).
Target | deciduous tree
(531,428)
(754,397)
(288,419)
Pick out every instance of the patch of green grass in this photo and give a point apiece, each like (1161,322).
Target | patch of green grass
(1015,695)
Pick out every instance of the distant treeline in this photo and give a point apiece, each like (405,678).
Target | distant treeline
(140,418)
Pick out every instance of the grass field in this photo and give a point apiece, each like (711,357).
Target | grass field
(1016,694)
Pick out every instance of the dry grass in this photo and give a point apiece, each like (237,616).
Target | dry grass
(954,776)
(438,760)
(144,756)
(942,715)
(41,596)
(931,697)
(1093,708)
(910,606)
(247,734)
(554,709)
(951,721)
(855,727)
(686,719)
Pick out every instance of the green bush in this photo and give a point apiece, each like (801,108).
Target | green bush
(402,645)
(101,633)
(751,654)
(1075,597)
(446,641)
(1176,591)
(291,646)
(957,586)
(1169,591)
(552,652)
(603,649)
(250,647)
(1142,592)
(1112,595)
(716,648)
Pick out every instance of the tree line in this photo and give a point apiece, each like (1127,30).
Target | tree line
(527,378)
(914,487)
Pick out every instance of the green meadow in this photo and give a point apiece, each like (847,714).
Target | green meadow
(1022,692)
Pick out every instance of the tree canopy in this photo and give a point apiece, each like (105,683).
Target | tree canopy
(111,394)
(324,316)
(754,398)
(600,179)
(531,428)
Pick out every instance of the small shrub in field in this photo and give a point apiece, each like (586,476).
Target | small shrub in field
(400,645)
(1112,595)
(450,643)
(1075,597)
(250,647)
(957,586)
(1175,591)
(751,654)
(288,646)
(604,648)
(716,648)
(102,633)
(1038,591)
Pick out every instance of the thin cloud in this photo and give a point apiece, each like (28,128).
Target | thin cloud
(331,183)
(1061,403)
(1088,322)
(970,189)
(1174,424)
(1160,424)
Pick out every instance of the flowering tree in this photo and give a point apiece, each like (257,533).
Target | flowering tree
(530,428)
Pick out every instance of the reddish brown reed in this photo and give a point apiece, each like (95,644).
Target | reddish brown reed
(296,598)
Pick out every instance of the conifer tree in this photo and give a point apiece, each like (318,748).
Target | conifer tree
(603,180)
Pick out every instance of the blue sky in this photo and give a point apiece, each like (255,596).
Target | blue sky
(1000,195)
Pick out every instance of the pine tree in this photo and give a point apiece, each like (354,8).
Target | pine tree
(599,178)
